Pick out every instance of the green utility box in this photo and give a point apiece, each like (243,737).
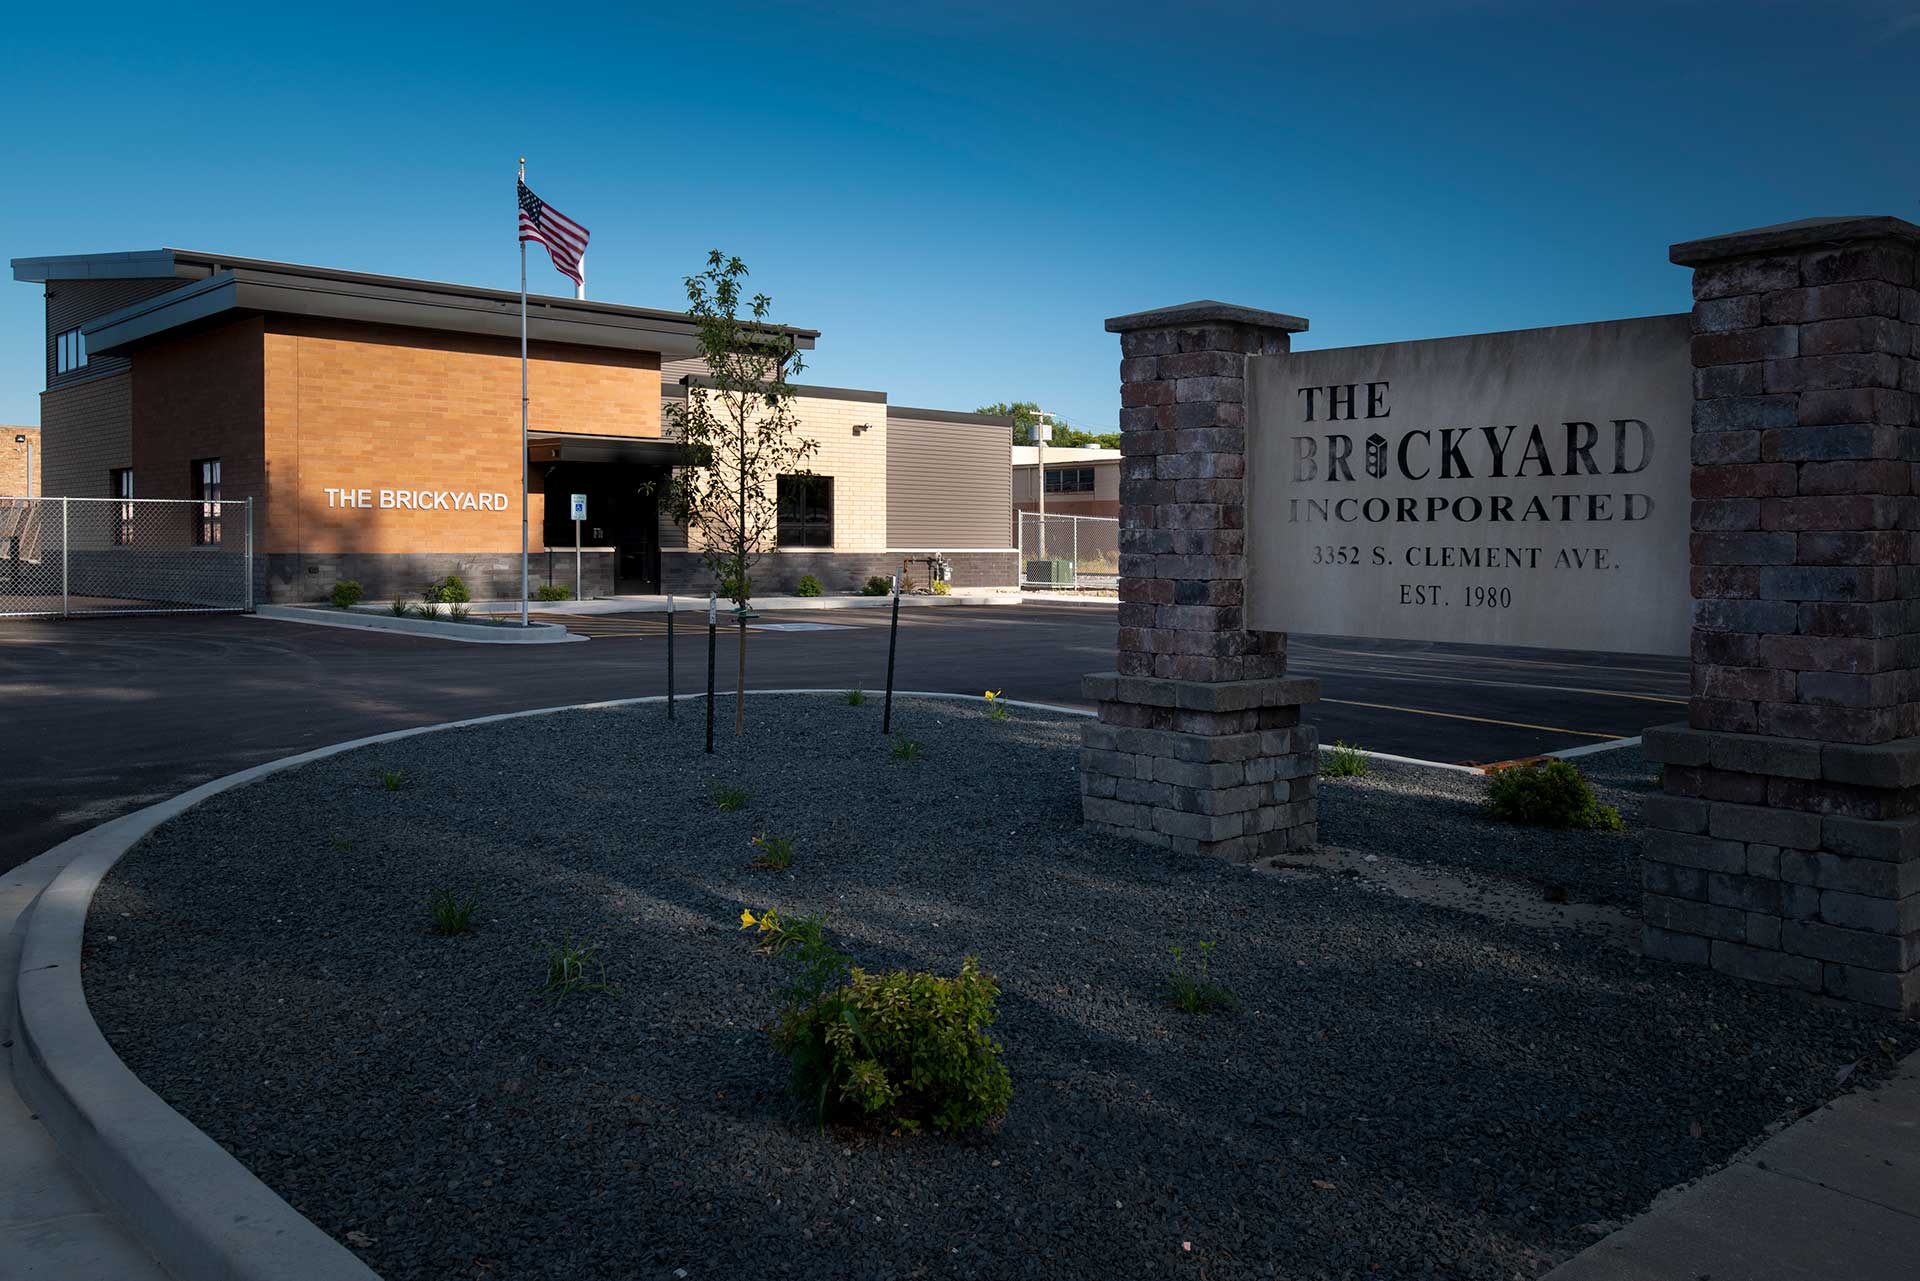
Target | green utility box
(1050,573)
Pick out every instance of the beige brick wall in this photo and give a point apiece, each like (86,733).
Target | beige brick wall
(856,462)
(14,480)
(86,430)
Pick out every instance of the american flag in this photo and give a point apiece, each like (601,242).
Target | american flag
(565,239)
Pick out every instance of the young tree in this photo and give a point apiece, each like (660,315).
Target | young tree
(739,428)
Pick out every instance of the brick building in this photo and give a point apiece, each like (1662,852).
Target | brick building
(20,462)
(375,422)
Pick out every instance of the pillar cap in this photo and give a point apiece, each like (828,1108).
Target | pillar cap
(1205,312)
(1789,237)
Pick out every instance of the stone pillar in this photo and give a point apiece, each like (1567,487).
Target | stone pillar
(1199,745)
(1786,847)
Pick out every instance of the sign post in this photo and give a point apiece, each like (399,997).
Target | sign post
(579,514)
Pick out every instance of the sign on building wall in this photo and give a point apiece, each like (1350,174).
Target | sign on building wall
(1521,488)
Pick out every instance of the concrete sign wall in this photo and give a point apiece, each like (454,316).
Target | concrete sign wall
(1522,488)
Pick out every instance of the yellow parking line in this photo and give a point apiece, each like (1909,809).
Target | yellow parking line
(1483,720)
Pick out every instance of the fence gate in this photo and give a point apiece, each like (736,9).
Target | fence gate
(1073,553)
(62,557)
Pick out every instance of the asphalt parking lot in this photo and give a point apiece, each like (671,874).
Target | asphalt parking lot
(101,716)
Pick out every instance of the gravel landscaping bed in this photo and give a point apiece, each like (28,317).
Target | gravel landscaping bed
(1437,816)
(1404,1090)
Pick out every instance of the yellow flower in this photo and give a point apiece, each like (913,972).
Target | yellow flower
(992,694)
(746,919)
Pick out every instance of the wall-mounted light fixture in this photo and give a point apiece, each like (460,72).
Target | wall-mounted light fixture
(860,427)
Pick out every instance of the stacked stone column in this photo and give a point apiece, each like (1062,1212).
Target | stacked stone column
(1199,745)
(1786,846)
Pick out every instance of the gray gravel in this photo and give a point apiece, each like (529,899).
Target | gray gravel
(1404,1088)
(1439,817)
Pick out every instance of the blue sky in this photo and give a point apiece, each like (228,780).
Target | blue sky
(958,196)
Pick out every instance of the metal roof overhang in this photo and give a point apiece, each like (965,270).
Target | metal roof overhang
(230,294)
(566,448)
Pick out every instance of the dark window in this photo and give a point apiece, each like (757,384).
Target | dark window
(206,492)
(806,511)
(70,352)
(120,485)
(1069,480)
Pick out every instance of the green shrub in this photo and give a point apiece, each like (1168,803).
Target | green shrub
(904,1049)
(393,780)
(451,914)
(809,586)
(1195,992)
(905,749)
(776,852)
(450,590)
(1344,760)
(574,967)
(878,585)
(941,587)
(398,607)
(1548,794)
(459,613)
(855,696)
(346,594)
(736,587)
(553,591)
(727,797)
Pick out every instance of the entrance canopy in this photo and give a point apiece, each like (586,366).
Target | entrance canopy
(648,450)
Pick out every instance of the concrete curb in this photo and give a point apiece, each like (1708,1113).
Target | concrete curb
(196,1209)
(467,633)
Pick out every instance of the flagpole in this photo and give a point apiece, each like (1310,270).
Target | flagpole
(526,469)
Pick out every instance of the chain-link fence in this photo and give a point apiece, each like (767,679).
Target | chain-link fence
(1071,553)
(61,557)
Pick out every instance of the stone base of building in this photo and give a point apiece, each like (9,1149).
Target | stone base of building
(1787,861)
(1223,768)
(779,573)
(290,578)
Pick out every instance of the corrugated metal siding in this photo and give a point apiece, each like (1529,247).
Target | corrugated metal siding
(949,485)
(72,303)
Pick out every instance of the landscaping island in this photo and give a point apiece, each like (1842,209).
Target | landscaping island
(1399,1089)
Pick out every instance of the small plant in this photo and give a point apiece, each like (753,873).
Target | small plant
(878,585)
(554,591)
(459,613)
(855,697)
(1549,794)
(341,845)
(451,590)
(809,586)
(425,609)
(905,1049)
(776,852)
(398,607)
(996,710)
(393,780)
(346,594)
(574,967)
(451,914)
(726,797)
(1195,992)
(905,749)
(941,587)
(1344,760)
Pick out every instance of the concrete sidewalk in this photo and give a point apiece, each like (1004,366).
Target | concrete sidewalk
(1833,1197)
(52,1227)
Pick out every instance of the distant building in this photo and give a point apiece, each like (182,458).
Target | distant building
(20,462)
(1081,481)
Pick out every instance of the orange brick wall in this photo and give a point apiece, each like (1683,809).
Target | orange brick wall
(14,479)
(373,408)
(198,396)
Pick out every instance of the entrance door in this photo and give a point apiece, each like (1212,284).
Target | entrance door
(636,534)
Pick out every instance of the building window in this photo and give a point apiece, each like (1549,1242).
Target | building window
(206,492)
(70,352)
(120,485)
(806,511)
(1069,480)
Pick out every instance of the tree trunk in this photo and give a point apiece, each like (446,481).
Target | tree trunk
(740,686)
